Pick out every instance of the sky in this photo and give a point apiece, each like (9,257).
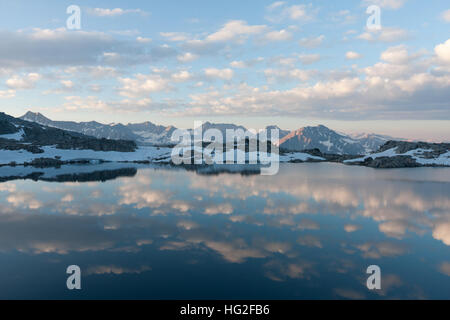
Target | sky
(253,63)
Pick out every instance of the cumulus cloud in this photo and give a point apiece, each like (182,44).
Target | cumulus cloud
(445,268)
(115,270)
(187,57)
(313,42)
(446,15)
(402,84)
(442,232)
(61,47)
(351,228)
(222,74)
(101,12)
(84,103)
(7,94)
(281,35)
(225,208)
(396,55)
(310,241)
(175,36)
(385,34)
(389,4)
(349,294)
(142,85)
(235,30)
(143,40)
(309,58)
(231,33)
(27,81)
(352,55)
(45,47)
(275,5)
(279,11)
(443,51)
(378,250)
(246,64)
(65,86)
(94,72)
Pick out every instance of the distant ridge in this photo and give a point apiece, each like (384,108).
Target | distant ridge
(148,133)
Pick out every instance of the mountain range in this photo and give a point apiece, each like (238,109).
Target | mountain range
(148,133)
(18,134)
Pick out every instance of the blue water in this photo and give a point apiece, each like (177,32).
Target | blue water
(309,232)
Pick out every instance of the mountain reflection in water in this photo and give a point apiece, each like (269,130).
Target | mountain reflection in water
(309,232)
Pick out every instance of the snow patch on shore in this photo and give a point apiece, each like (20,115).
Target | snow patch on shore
(154,154)
(18,136)
(387,153)
(417,154)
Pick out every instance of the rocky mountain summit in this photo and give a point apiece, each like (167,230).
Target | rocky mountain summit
(141,133)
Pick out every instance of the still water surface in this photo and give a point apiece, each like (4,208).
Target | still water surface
(308,233)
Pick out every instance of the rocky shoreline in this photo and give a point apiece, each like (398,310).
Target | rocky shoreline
(30,144)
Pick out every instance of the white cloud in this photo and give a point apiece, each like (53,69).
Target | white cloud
(445,268)
(187,57)
(143,40)
(101,12)
(143,85)
(23,82)
(95,88)
(399,86)
(116,270)
(96,72)
(238,64)
(349,228)
(223,74)
(343,17)
(235,30)
(274,75)
(312,42)
(281,35)
(446,15)
(390,4)
(297,12)
(68,84)
(232,32)
(175,36)
(443,51)
(181,76)
(275,5)
(63,48)
(442,232)
(397,55)
(279,11)
(224,208)
(352,55)
(309,58)
(52,47)
(246,64)
(74,103)
(7,94)
(386,34)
